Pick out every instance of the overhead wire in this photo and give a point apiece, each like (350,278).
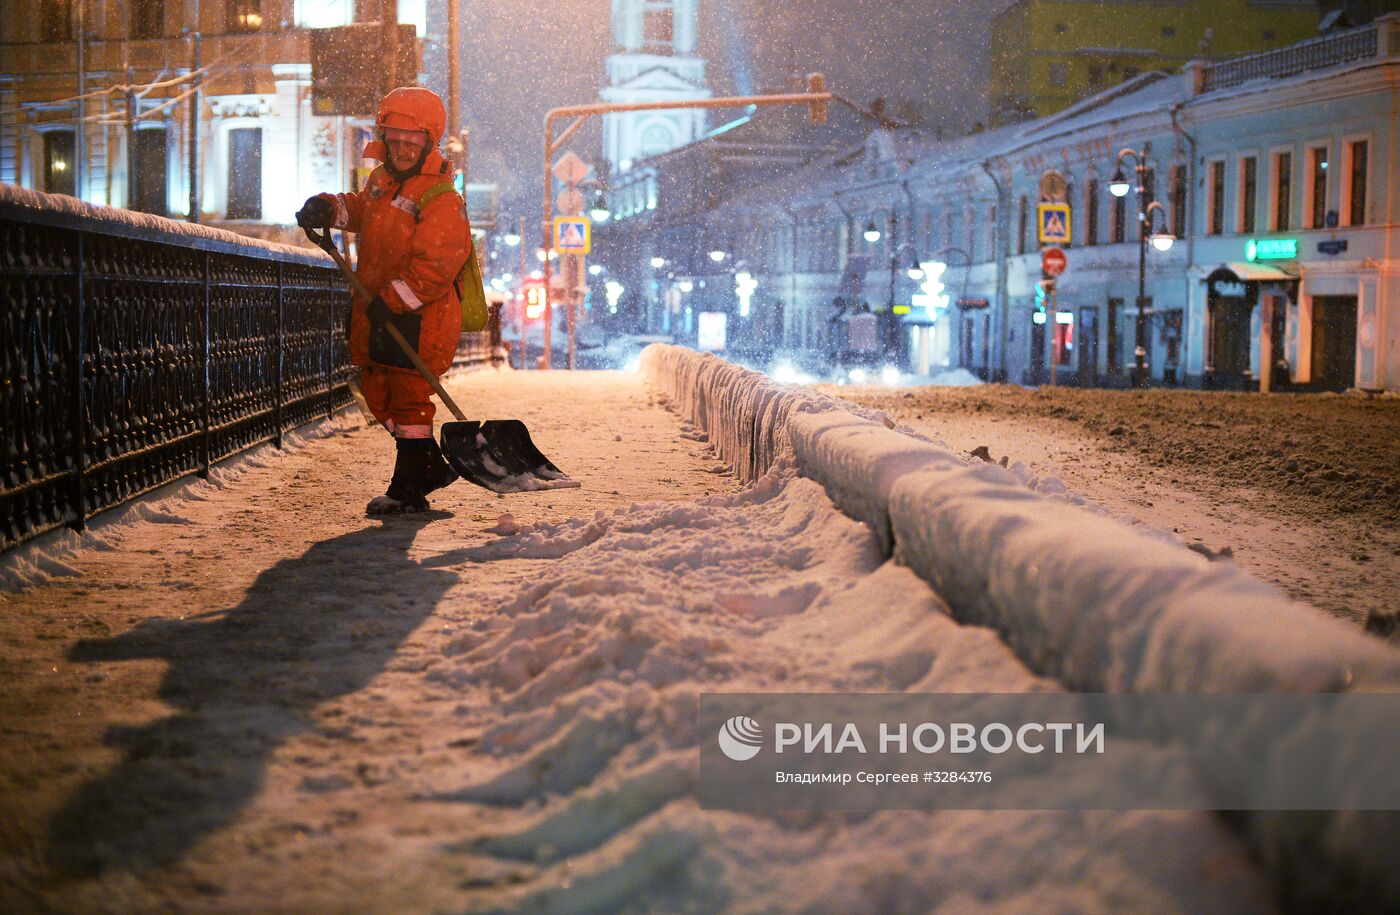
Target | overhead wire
(226,64)
(112,89)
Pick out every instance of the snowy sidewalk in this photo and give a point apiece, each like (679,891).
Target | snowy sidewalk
(259,700)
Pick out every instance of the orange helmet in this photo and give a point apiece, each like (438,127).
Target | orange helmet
(413,108)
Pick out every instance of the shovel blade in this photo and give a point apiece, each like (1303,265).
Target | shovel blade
(499,455)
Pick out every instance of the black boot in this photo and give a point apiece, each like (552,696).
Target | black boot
(411,482)
(437,472)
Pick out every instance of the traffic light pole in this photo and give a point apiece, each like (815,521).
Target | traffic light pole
(816,101)
(524,318)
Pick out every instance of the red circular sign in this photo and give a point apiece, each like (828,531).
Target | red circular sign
(1053,261)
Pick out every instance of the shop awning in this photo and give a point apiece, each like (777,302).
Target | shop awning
(1246,272)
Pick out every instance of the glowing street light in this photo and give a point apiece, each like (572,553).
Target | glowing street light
(614,291)
(744,286)
(658,262)
(871,233)
(511,238)
(595,269)
(1161,240)
(600,211)
(717,255)
(1119,185)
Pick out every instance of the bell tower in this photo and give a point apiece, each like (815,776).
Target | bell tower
(652,60)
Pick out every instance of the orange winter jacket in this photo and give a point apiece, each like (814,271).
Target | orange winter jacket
(410,254)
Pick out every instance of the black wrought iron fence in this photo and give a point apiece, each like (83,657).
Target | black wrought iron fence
(485,347)
(134,351)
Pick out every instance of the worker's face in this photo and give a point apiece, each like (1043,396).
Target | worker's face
(405,146)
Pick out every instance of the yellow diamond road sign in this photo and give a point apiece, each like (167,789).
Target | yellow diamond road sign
(1053,223)
(572,235)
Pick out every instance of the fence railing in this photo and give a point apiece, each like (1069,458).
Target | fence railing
(1326,51)
(485,347)
(136,350)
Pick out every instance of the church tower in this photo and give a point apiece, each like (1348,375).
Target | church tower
(653,60)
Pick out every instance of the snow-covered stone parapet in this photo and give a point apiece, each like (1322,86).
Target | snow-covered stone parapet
(858,462)
(1084,598)
(1103,608)
(743,413)
(35,206)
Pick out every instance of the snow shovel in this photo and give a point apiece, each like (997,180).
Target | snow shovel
(496,454)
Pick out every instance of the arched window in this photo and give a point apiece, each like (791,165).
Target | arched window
(656,138)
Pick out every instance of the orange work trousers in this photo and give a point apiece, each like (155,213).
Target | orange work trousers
(400,400)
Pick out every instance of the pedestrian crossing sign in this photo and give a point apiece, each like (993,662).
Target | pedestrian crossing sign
(572,235)
(1053,222)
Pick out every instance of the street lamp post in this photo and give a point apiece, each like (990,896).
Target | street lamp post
(1162,241)
(516,239)
(915,272)
(656,314)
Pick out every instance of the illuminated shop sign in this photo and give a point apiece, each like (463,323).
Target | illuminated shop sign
(1271,249)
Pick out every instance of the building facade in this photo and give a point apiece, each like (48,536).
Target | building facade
(653,60)
(111,118)
(1276,174)
(1048,54)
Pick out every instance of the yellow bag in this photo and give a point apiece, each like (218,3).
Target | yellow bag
(471,290)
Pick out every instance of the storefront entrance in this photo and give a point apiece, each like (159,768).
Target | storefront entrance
(1088,347)
(1233,299)
(1231,307)
(1334,342)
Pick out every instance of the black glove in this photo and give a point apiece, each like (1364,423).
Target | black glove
(316,213)
(378,312)
(383,348)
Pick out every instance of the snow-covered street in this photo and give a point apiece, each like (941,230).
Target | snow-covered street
(248,697)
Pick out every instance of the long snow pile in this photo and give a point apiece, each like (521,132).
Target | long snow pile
(1093,603)
(1084,599)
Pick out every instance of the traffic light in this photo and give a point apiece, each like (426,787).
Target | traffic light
(1042,292)
(816,109)
(534,300)
(933,297)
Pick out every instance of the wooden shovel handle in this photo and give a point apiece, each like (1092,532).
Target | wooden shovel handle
(323,241)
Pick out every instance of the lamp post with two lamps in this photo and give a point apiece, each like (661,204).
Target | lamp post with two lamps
(915,271)
(1162,241)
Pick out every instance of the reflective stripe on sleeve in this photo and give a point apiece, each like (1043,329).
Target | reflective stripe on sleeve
(342,213)
(406,294)
(408,206)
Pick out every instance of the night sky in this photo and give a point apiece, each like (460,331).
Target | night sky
(522,58)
